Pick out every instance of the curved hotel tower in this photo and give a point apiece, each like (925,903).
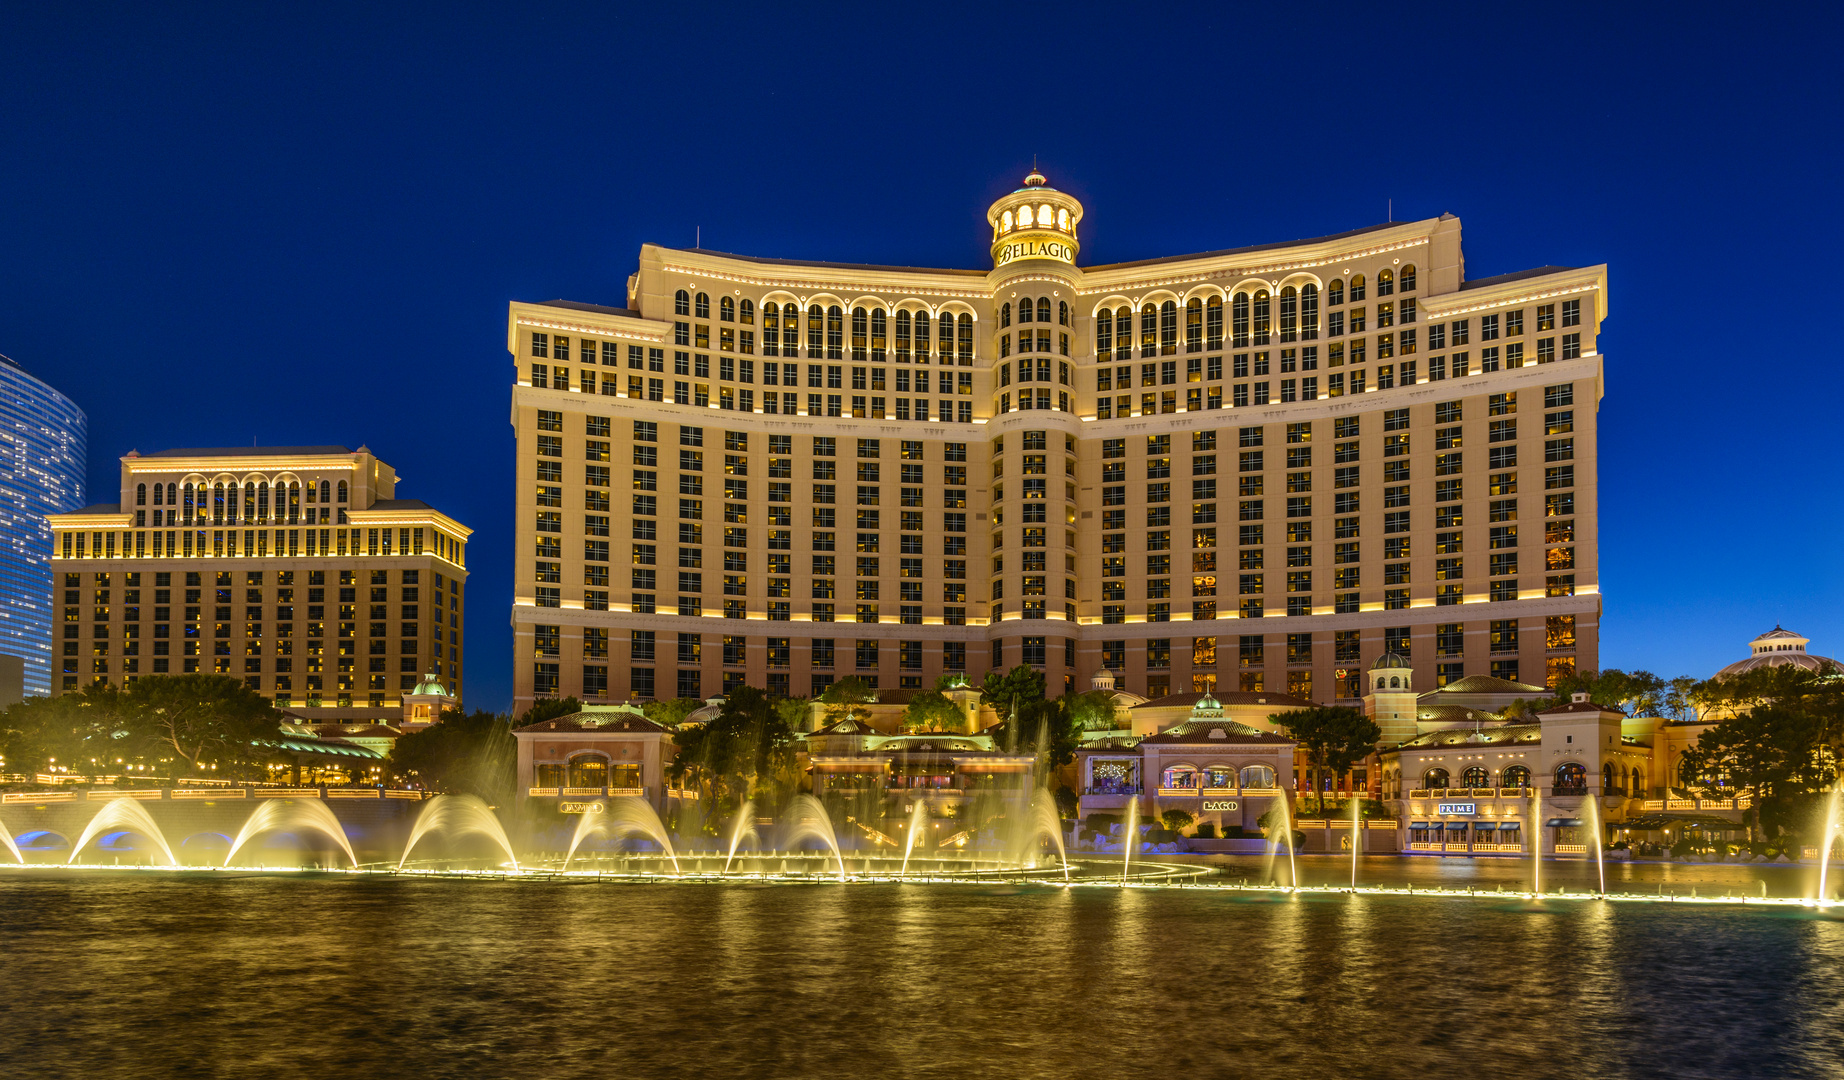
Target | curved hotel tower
(44,441)
(1245,470)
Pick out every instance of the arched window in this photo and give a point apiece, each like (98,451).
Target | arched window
(1104,336)
(1149,330)
(1515,776)
(1335,293)
(1357,287)
(1062,313)
(816,331)
(1179,776)
(1476,776)
(1434,778)
(1043,309)
(588,771)
(217,503)
(1005,221)
(1005,314)
(1123,333)
(1572,775)
(1309,312)
(342,490)
(681,303)
(249,499)
(746,311)
(1024,217)
(1395,682)
(964,346)
(1609,783)
(1638,786)
(159,490)
(879,335)
(790,329)
(294,502)
(1219,776)
(771,330)
(262,501)
(860,333)
(1194,325)
(1261,316)
(1380,685)
(188,506)
(1045,215)
(921,337)
(171,493)
(1239,321)
(835,332)
(1290,315)
(1257,776)
(704,306)
(1062,220)
(902,337)
(1168,328)
(1405,281)
(140,494)
(726,309)
(326,491)
(1213,324)
(1386,283)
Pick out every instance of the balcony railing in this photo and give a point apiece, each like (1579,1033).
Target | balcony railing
(1121,790)
(1569,790)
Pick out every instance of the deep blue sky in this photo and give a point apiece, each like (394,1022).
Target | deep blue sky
(303,226)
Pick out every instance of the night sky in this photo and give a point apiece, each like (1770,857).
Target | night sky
(303,225)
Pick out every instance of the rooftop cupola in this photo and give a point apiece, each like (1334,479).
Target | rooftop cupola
(1034,223)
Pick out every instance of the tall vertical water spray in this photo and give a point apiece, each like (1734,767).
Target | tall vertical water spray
(1040,820)
(123,814)
(1594,823)
(1834,810)
(457,816)
(918,821)
(1286,809)
(1131,839)
(1357,836)
(807,819)
(292,813)
(1536,841)
(627,815)
(6,835)
(744,824)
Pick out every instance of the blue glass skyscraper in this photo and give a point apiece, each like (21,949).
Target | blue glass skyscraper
(44,441)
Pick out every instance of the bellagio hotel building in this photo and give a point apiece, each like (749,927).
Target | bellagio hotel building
(1245,470)
(295,569)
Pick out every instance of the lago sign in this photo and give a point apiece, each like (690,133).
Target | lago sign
(1034,249)
(579,807)
(1456,808)
(1213,805)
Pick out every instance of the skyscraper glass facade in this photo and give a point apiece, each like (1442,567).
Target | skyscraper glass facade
(44,440)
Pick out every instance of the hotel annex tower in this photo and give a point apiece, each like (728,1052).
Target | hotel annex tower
(1247,470)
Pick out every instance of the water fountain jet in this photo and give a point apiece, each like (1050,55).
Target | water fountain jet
(126,814)
(809,820)
(6,835)
(626,815)
(282,813)
(743,825)
(1834,809)
(918,819)
(458,815)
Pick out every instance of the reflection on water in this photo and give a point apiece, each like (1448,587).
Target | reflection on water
(236,976)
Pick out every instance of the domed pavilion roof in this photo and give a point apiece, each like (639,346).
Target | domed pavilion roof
(1776,648)
(1391,660)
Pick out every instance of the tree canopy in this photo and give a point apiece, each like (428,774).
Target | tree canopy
(466,753)
(1021,685)
(1335,737)
(748,751)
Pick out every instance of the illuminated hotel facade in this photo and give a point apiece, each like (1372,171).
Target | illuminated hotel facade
(293,568)
(1244,470)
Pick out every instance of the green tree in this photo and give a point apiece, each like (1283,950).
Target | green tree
(66,730)
(932,710)
(1093,710)
(671,712)
(1021,685)
(1048,729)
(1335,738)
(212,718)
(464,754)
(1176,820)
(1771,753)
(748,751)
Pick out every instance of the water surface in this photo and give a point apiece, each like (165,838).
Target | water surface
(248,975)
